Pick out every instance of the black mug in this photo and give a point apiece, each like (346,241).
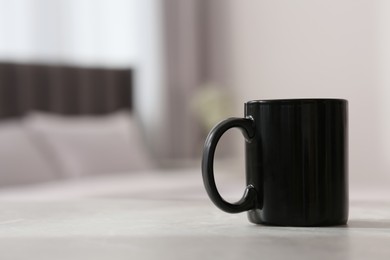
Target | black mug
(296,157)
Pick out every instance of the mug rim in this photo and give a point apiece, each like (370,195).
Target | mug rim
(296,100)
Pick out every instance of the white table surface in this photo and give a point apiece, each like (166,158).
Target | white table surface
(170,225)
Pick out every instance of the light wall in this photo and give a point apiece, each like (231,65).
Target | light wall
(311,48)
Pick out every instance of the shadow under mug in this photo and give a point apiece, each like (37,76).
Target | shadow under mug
(296,157)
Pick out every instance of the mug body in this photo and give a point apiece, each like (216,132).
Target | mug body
(298,161)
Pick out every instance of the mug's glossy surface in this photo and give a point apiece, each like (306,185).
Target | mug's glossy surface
(296,162)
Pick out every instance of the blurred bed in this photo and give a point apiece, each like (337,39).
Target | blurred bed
(70,132)
(65,122)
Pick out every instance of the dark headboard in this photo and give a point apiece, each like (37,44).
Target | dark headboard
(63,89)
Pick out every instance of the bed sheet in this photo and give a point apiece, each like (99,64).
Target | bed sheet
(173,184)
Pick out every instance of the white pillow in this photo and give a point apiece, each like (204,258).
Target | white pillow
(87,145)
(21,162)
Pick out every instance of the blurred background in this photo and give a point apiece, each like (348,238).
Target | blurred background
(181,66)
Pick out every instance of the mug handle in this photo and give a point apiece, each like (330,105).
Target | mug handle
(248,201)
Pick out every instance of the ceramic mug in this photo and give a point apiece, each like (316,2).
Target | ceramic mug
(296,157)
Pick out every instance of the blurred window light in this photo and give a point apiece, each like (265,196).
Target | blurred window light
(82,32)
